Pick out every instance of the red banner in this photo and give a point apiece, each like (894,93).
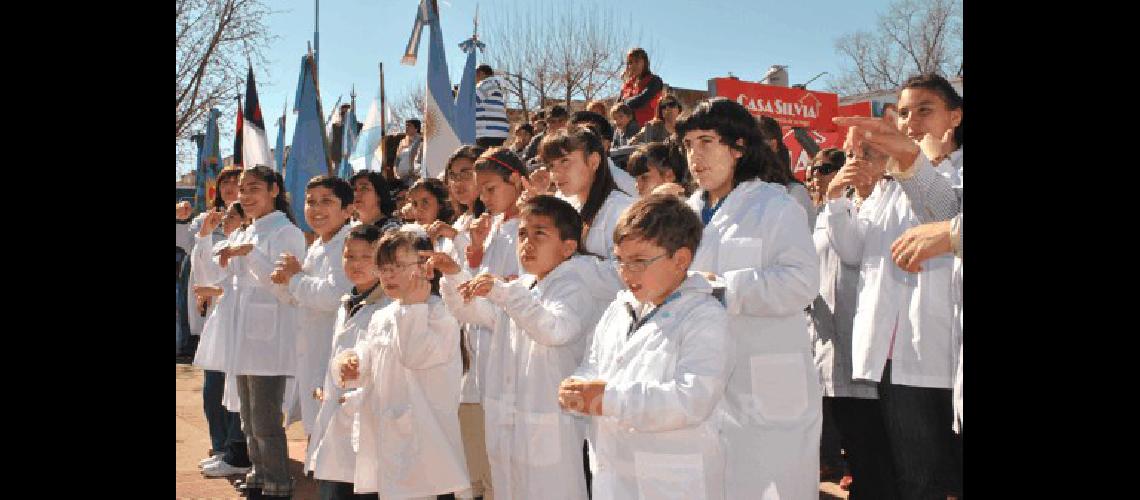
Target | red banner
(791,107)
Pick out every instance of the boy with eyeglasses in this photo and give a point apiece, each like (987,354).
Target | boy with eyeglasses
(654,376)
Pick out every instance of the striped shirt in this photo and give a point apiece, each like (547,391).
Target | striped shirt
(491,110)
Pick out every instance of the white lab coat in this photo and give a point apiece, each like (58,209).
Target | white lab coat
(265,323)
(660,433)
(800,193)
(832,315)
(317,290)
(409,427)
(500,257)
(197,321)
(759,242)
(331,454)
(217,334)
(925,350)
(600,236)
(538,338)
(957,293)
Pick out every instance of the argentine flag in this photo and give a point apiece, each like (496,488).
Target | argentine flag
(364,156)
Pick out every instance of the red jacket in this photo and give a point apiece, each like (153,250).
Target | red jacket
(641,95)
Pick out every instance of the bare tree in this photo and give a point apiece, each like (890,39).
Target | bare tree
(410,104)
(213,40)
(911,37)
(576,51)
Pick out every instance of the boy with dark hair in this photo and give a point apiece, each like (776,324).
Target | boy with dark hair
(556,119)
(316,287)
(654,376)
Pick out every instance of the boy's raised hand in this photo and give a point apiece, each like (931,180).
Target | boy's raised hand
(347,366)
(440,228)
(583,396)
(479,286)
(182,210)
(210,222)
(440,261)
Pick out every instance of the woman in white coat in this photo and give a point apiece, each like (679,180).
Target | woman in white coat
(540,325)
(265,326)
(576,159)
(317,286)
(904,336)
(408,364)
(756,240)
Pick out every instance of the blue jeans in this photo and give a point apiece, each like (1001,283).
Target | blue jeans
(183,335)
(225,426)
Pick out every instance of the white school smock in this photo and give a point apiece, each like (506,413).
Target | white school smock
(538,338)
(457,249)
(800,193)
(331,454)
(266,320)
(217,334)
(500,257)
(410,444)
(600,236)
(317,290)
(197,321)
(925,350)
(759,242)
(832,316)
(659,436)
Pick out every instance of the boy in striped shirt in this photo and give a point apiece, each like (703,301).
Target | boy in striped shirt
(491,124)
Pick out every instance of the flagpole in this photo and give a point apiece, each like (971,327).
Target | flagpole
(316,38)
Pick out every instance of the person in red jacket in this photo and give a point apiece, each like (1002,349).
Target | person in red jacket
(642,88)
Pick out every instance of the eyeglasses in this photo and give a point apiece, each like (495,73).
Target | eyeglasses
(462,175)
(636,265)
(390,269)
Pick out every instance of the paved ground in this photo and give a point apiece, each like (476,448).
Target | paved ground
(193,443)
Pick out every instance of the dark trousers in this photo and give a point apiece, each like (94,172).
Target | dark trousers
(860,423)
(182,298)
(263,423)
(225,426)
(918,424)
(830,440)
(490,142)
(336,490)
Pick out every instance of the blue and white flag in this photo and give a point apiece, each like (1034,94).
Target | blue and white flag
(446,124)
(348,141)
(367,144)
(308,155)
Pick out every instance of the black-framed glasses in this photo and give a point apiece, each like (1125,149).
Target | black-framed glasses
(636,265)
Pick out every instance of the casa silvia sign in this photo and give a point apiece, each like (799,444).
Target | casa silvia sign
(790,107)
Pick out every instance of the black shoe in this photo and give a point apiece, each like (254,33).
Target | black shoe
(250,493)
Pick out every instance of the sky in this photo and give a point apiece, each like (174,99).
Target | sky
(689,42)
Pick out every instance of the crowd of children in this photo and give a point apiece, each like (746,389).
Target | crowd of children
(534,330)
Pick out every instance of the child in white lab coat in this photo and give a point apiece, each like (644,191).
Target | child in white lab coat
(453,239)
(540,326)
(332,449)
(408,364)
(653,378)
(264,354)
(317,286)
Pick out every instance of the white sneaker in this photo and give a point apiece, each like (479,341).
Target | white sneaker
(222,469)
(209,460)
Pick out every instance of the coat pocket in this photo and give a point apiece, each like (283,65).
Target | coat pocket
(544,439)
(669,476)
(398,445)
(259,321)
(779,386)
(739,253)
